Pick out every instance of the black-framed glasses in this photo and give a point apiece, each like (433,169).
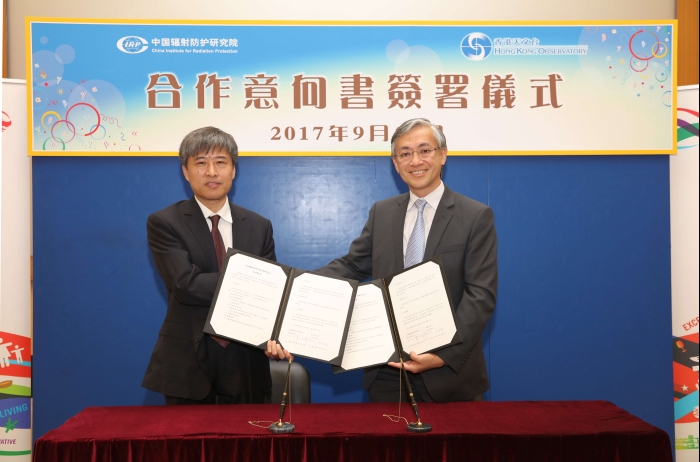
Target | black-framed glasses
(424,153)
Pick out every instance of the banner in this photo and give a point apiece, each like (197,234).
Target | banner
(15,289)
(118,87)
(684,180)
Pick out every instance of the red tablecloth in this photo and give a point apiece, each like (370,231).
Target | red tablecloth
(566,431)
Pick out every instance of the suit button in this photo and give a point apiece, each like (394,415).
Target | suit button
(197,338)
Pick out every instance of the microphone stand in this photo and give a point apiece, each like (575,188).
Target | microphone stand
(418,426)
(283,427)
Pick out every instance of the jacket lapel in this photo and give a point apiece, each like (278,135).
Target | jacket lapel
(197,223)
(241,232)
(443,215)
(397,231)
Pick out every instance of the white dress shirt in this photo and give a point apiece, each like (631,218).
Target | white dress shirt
(432,199)
(225,222)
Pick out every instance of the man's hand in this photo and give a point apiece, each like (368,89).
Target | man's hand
(420,363)
(274,351)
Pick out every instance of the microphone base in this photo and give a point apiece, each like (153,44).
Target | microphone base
(286,427)
(413,427)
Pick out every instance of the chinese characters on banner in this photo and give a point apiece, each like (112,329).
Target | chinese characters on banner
(404,91)
(164,92)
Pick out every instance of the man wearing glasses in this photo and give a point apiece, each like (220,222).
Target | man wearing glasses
(410,228)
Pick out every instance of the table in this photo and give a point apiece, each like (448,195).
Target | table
(567,431)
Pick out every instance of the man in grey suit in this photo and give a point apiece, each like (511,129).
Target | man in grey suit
(451,225)
(188,240)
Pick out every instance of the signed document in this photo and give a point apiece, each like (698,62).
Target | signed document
(422,308)
(409,311)
(257,300)
(316,319)
(370,338)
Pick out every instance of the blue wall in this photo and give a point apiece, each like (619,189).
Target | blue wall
(584,304)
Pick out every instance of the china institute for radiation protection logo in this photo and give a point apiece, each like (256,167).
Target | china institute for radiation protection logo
(476,46)
(132,44)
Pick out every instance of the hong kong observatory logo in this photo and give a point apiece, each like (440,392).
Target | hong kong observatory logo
(476,46)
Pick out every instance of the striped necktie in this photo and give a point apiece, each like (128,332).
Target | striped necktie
(416,243)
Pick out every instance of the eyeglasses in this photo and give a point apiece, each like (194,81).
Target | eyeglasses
(405,156)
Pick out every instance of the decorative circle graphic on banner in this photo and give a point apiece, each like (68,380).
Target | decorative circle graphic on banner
(104,132)
(641,43)
(53,145)
(659,50)
(69,125)
(65,54)
(94,128)
(635,65)
(50,120)
(667,98)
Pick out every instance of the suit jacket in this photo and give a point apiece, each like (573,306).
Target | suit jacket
(184,255)
(463,234)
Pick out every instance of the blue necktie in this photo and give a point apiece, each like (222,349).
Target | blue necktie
(416,243)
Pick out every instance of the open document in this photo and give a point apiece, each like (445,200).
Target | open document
(410,311)
(257,300)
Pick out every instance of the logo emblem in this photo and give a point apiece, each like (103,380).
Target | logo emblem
(476,46)
(132,44)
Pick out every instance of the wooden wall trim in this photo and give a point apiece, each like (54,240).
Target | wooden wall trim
(688,39)
(4,39)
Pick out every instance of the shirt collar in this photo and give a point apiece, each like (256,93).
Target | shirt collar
(433,199)
(224,213)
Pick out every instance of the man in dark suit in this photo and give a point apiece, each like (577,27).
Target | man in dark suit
(188,240)
(404,230)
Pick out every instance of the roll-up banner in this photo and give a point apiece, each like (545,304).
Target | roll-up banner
(15,288)
(684,275)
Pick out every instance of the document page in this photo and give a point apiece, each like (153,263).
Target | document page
(315,317)
(421,308)
(249,299)
(369,338)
